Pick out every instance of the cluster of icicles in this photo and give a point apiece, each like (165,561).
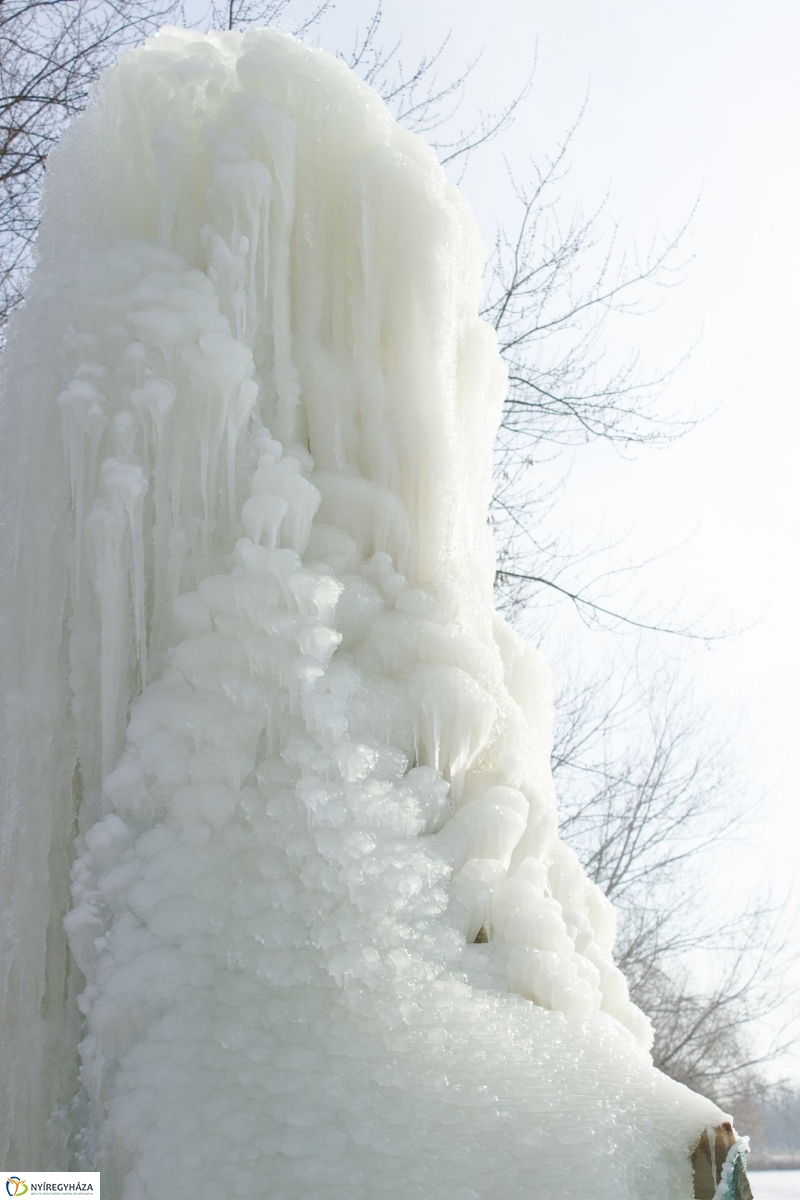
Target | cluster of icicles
(330,939)
(339,649)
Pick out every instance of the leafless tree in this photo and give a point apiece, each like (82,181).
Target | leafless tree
(552,287)
(647,798)
(51,51)
(421,98)
(248,14)
(645,789)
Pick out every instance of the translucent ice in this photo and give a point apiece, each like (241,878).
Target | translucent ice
(324,940)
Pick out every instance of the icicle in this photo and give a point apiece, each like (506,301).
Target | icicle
(245,189)
(166,153)
(301,498)
(278,136)
(153,402)
(264,512)
(239,411)
(83,417)
(455,719)
(115,575)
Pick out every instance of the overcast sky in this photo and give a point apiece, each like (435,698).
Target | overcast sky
(684,100)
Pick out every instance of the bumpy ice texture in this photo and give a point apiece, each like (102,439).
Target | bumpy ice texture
(253,664)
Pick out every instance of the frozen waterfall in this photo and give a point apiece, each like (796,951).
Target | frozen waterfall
(323,940)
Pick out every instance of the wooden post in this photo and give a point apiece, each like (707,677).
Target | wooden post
(708,1163)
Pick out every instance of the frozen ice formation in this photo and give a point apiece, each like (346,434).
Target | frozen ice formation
(324,940)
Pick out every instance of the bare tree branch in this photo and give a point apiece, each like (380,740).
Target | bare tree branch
(649,786)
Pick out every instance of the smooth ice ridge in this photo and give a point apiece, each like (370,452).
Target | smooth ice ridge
(256,667)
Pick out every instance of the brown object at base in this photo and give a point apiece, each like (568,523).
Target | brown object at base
(708,1170)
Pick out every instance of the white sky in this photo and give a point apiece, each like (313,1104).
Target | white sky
(684,99)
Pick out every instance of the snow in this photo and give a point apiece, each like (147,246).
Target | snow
(253,664)
(775,1185)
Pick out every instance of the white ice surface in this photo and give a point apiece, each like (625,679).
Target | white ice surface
(252,661)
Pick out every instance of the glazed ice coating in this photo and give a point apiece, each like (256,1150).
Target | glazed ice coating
(261,677)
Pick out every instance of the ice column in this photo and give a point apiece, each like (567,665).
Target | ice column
(324,941)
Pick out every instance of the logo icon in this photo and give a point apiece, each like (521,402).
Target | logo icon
(16,1186)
